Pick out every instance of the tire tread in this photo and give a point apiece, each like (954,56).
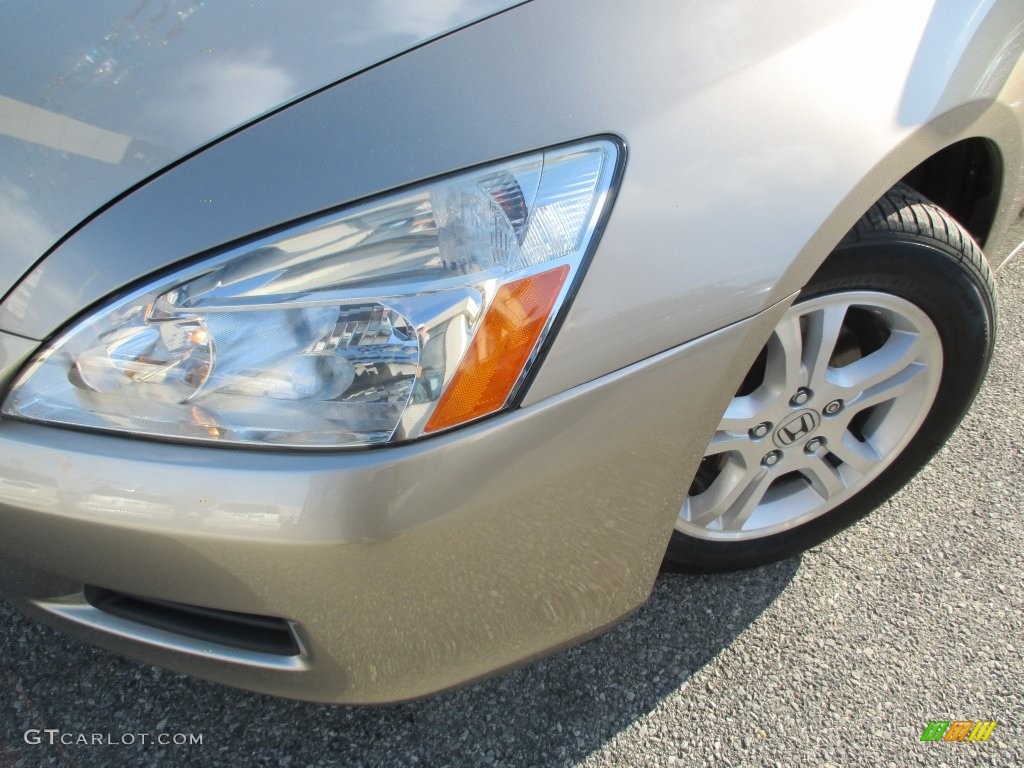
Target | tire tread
(902,210)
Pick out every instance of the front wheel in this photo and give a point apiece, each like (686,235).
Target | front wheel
(863,379)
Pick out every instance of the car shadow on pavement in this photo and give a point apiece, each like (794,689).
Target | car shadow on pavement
(555,712)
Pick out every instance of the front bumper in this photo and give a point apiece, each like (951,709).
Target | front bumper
(403,570)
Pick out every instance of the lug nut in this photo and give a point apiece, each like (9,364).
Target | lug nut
(771,458)
(802,396)
(833,408)
(814,444)
(761,430)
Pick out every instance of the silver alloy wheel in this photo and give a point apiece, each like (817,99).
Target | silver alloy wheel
(841,387)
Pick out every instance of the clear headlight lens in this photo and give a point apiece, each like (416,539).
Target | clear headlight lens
(408,315)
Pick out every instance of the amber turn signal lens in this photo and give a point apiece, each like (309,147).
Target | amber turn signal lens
(500,349)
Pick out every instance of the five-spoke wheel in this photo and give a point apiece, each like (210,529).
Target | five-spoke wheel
(845,381)
(861,381)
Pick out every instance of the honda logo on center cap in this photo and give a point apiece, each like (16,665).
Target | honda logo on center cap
(796,427)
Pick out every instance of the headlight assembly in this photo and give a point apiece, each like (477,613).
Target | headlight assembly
(407,315)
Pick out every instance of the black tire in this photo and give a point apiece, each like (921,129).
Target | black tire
(907,247)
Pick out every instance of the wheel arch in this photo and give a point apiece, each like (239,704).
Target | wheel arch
(968,161)
(965,179)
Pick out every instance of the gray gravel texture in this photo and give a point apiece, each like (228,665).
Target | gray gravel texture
(837,658)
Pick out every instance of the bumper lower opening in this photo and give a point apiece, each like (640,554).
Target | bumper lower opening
(245,631)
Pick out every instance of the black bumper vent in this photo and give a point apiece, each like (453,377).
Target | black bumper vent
(245,631)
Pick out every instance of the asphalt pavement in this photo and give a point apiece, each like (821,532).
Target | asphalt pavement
(840,657)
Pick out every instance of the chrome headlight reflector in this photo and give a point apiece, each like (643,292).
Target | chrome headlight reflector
(410,314)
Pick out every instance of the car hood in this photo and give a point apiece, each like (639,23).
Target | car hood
(95,97)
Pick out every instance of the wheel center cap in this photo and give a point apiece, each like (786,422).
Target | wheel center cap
(796,427)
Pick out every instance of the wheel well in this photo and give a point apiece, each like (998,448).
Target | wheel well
(964,179)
